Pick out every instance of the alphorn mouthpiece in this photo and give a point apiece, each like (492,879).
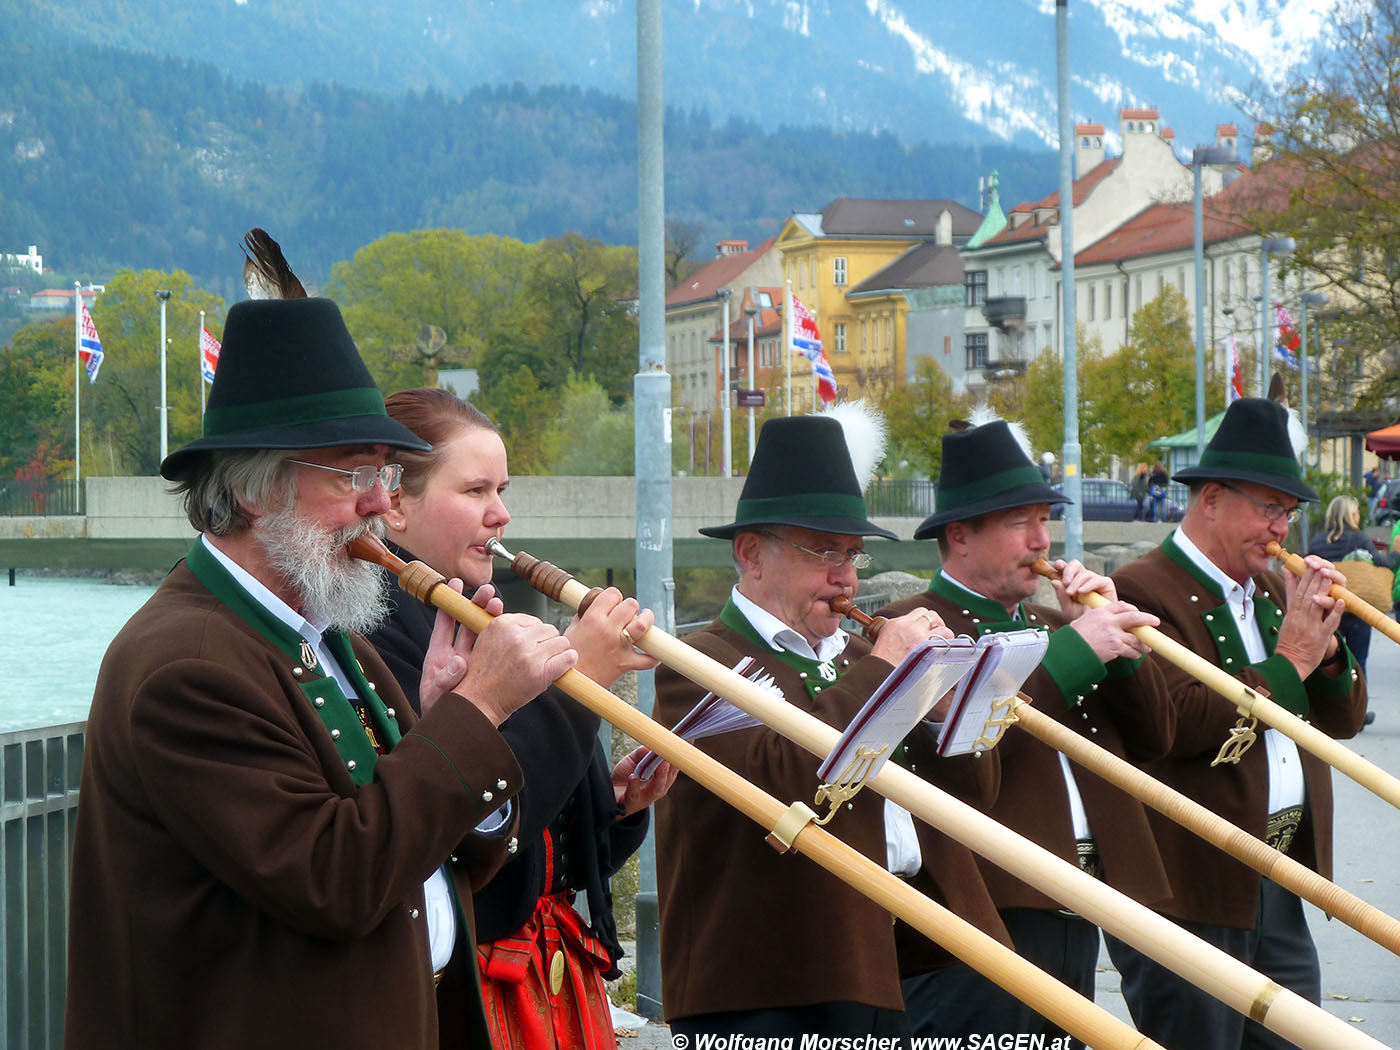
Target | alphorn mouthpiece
(870,625)
(497,549)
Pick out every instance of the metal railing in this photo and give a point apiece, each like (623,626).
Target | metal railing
(893,498)
(25,499)
(39,773)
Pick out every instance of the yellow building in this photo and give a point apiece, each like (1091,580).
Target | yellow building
(860,266)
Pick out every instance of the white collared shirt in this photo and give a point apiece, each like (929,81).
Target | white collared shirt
(1286,784)
(902,853)
(438,912)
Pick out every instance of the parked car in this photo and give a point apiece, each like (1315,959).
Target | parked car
(1388,502)
(1105,499)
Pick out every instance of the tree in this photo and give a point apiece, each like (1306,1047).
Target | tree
(588,435)
(519,407)
(36,401)
(918,415)
(682,238)
(121,419)
(416,302)
(584,290)
(1336,130)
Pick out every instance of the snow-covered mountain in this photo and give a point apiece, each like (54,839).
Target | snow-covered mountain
(931,70)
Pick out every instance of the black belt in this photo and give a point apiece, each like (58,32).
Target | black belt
(1281,828)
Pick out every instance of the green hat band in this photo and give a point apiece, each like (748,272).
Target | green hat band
(806,504)
(950,498)
(291,411)
(1282,466)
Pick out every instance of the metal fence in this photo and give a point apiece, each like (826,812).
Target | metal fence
(890,498)
(22,499)
(39,774)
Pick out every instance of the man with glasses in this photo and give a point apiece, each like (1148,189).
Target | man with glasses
(1210,585)
(271,849)
(755,944)
(992,524)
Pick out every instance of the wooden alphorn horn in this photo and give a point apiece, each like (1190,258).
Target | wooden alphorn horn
(1207,967)
(1251,703)
(1354,603)
(1215,829)
(791,828)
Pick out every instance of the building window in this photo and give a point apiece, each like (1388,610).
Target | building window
(975,287)
(1030,279)
(889,333)
(1090,291)
(838,271)
(801,273)
(999,285)
(1181,279)
(864,336)
(838,338)
(1108,300)
(1161,283)
(975,346)
(1137,291)
(1016,281)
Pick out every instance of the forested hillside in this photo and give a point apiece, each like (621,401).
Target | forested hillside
(113,159)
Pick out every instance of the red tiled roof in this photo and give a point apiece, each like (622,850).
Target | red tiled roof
(1226,129)
(1088,129)
(1160,228)
(1168,133)
(1033,230)
(714,275)
(1149,113)
(767,321)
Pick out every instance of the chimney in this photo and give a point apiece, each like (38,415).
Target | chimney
(1135,123)
(1227,136)
(1263,143)
(724,248)
(1088,148)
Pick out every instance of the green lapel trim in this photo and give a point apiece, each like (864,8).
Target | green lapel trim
(815,674)
(991,614)
(1176,554)
(327,698)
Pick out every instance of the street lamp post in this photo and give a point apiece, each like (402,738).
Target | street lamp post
(1308,299)
(725,465)
(1276,246)
(164,296)
(1201,156)
(751,309)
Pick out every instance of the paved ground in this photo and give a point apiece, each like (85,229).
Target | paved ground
(1360,979)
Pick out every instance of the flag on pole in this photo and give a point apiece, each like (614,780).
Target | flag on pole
(1288,341)
(1234,385)
(89,346)
(208,354)
(805,339)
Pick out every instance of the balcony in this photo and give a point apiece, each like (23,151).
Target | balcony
(1005,312)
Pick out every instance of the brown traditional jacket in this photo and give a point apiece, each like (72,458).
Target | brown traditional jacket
(1123,707)
(1208,886)
(233,886)
(742,926)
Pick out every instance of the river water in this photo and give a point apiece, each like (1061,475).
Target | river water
(53,632)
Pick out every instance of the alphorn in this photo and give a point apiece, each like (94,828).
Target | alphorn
(791,829)
(1252,704)
(1215,829)
(1357,606)
(1207,967)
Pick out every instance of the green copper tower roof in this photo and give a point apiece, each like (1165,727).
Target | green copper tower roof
(992,223)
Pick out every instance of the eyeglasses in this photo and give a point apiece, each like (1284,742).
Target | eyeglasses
(362,479)
(829,555)
(1271,511)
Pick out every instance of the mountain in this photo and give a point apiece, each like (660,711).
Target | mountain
(932,72)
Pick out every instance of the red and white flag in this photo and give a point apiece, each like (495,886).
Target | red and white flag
(89,346)
(208,355)
(804,338)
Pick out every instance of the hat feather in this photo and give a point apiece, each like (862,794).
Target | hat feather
(985,413)
(266,274)
(866,433)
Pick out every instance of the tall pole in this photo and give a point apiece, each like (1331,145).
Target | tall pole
(1199,257)
(652,432)
(751,310)
(787,340)
(1074,513)
(1265,302)
(164,297)
(726,442)
(77,396)
(199,361)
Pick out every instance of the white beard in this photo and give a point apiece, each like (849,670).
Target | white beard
(336,590)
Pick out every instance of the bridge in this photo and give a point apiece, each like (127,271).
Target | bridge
(576,522)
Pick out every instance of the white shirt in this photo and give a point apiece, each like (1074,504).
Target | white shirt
(438,912)
(1286,784)
(902,854)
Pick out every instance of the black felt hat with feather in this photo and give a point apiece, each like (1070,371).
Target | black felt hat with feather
(289,375)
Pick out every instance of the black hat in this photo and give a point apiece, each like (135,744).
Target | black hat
(984,469)
(1252,444)
(290,377)
(801,475)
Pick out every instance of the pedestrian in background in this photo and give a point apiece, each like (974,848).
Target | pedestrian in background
(1137,489)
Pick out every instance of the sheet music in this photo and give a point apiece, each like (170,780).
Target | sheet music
(713,715)
(1004,663)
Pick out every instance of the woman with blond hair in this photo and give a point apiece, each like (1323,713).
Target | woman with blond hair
(1340,537)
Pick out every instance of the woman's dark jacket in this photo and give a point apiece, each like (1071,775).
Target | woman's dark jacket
(555,740)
